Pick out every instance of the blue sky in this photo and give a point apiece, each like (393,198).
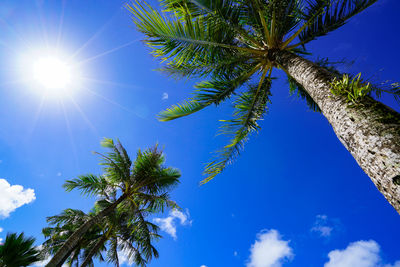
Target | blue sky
(295,196)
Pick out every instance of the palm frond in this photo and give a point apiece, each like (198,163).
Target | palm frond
(250,107)
(218,66)
(184,41)
(88,184)
(210,92)
(226,12)
(180,110)
(387,87)
(18,250)
(335,15)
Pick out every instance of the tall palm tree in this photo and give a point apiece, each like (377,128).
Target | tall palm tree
(139,185)
(235,45)
(18,250)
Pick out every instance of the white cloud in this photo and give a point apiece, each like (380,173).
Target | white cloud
(235,253)
(168,224)
(269,250)
(361,254)
(123,258)
(1,229)
(59,173)
(13,197)
(164,96)
(203,265)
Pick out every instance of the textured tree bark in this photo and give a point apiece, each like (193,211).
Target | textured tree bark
(71,242)
(93,251)
(369,130)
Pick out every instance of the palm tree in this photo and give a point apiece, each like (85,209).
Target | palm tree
(139,185)
(18,250)
(126,230)
(63,226)
(235,45)
(123,230)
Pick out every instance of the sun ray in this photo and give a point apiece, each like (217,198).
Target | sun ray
(107,52)
(61,23)
(150,122)
(16,34)
(14,82)
(13,49)
(36,117)
(111,101)
(93,37)
(42,24)
(85,118)
(71,139)
(106,82)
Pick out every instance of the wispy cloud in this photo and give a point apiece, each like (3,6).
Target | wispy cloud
(164,96)
(169,223)
(269,250)
(13,197)
(361,254)
(325,226)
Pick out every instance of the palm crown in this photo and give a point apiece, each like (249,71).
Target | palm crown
(233,44)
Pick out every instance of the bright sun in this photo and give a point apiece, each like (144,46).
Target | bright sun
(52,73)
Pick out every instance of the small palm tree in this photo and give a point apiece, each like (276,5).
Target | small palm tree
(18,250)
(125,230)
(236,44)
(139,185)
(62,226)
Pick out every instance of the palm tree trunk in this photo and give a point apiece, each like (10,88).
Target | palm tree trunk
(94,250)
(77,235)
(67,255)
(369,130)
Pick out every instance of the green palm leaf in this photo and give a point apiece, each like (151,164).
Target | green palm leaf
(18,250)
(250,107)
(336,14)
(211,92)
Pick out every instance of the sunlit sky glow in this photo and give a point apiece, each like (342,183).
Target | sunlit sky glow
(73,72)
